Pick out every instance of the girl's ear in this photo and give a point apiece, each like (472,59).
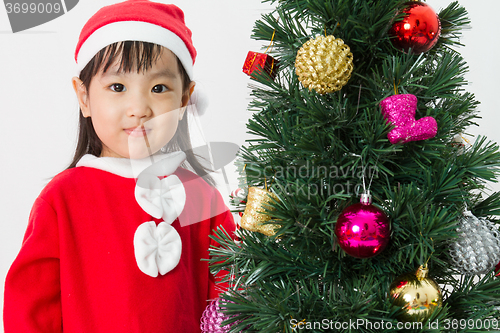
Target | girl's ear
(82,95)
(185,99)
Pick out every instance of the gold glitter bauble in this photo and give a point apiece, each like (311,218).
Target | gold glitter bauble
(324,64)
(418,294)
(253,218)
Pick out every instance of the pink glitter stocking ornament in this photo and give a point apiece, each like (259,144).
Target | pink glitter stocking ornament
(399,110)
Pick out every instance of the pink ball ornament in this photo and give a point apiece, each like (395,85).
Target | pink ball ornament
(362,229)
(212,318)
(400,111)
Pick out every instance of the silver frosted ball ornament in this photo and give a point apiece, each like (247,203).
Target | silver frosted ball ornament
(477,249)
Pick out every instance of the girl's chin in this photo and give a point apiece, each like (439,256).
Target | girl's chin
(138,147)
(141,151)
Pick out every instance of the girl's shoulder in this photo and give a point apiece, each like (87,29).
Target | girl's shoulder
(68,178)
(87,184)
(79,180)
(195,183)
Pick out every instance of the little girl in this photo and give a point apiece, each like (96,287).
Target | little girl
(116,242)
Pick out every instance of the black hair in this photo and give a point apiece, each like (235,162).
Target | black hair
(140,56)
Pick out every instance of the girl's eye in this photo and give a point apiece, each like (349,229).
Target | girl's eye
(159,88)
(117,87)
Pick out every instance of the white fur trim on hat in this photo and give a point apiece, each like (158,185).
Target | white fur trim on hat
(134,31)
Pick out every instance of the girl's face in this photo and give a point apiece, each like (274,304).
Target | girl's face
(135,114)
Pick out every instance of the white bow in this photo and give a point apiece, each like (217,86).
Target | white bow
(157,248)
(163,198)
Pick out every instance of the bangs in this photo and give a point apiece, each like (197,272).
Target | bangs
(132,56)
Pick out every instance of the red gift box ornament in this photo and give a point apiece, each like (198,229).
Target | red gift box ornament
(256,61)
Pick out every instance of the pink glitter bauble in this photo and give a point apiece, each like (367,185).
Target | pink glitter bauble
(400,110)
(362,230)
(212,318)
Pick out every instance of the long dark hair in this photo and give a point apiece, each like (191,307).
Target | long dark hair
(141,56)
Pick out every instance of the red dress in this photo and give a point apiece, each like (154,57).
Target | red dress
(77,270)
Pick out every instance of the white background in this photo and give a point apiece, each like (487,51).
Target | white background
(39,111)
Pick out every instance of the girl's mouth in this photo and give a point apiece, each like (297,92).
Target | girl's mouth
(137,131)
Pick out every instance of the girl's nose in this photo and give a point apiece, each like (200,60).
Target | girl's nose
(138,106)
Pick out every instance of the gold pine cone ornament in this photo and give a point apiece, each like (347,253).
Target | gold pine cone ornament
(324,64)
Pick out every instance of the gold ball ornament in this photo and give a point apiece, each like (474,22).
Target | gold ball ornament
(253,218)
(418,294)
(324,64)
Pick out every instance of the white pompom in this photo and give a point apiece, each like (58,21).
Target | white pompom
(199,100)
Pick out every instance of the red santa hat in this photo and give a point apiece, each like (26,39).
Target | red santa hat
(137,20)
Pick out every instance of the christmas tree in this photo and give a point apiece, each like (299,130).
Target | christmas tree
(363,99)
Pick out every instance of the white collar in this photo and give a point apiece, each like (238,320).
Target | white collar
(131,168)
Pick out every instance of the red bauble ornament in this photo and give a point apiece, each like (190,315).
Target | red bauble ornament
(419,29)
(497,270)
(363,230)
